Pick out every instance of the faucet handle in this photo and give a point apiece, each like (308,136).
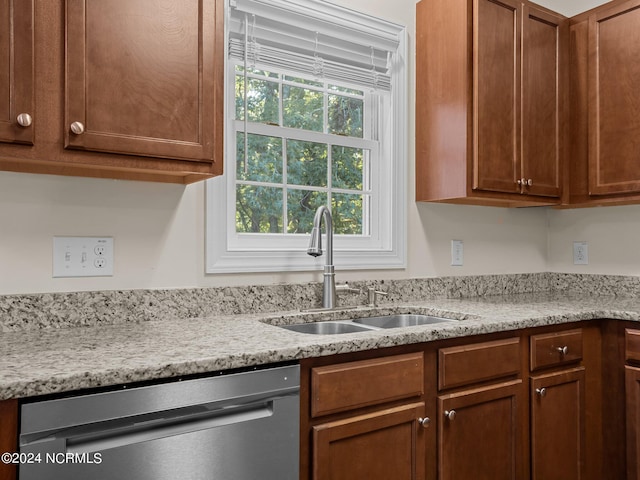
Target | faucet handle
(373,296)
(345,288)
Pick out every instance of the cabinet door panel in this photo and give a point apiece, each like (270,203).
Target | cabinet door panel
(544,37)
(8,436)
(632,393)
(557,425)
(484,440)
(614,97)
(496,84)
(142,84)
(383,445)
(16,70)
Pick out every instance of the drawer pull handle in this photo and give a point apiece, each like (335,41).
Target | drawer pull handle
(24,120)
(450,414)
(563,350)
(541,391)
(424,421)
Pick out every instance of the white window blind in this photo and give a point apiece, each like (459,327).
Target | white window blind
(293,35)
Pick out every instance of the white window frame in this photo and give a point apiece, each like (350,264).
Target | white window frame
(385,247)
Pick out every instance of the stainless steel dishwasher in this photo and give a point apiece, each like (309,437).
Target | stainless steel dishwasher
(242,426)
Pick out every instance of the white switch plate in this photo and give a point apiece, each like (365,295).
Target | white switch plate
(457,253)
(580,253)
(82,257)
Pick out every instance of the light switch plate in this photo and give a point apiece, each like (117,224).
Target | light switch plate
(82,257)
(457,253)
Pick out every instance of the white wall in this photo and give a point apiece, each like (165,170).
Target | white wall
(159,229)
(612,234)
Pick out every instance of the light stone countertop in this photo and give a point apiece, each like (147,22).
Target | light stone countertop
(38,362)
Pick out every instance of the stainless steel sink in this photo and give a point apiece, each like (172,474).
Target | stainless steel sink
(403,320)
(326,328)
(365,324)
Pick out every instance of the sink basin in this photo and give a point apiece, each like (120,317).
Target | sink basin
(403,320)
(326,328)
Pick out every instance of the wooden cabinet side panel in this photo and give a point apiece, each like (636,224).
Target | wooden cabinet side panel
(496,85)
(614,99)
(382,445)
(8,436)
(558,425)
(443,96)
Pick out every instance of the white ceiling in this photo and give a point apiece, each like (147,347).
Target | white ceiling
(569,8)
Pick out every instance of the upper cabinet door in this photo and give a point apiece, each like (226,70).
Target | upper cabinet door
(141,77)
(544,40)
(16,71)
(496,84)
(614,94)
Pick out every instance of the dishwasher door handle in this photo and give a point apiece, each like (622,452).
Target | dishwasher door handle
(105,439)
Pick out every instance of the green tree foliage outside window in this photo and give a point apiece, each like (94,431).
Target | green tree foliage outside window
(282,180)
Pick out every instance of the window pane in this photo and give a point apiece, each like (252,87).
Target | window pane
(303,81)
(262,100)
(347,167)
(347,213)
(258,209)
(337,88)
(345,115)
(301,208)
(303,108)
(306,163)
(264,162)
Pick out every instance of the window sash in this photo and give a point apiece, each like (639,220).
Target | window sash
(386,246)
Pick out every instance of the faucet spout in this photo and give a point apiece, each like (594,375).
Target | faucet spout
(315,250)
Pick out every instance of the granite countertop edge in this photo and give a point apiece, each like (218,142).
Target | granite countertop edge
(52,361)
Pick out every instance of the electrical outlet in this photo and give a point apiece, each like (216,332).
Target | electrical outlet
(580,253)
(82,257)
(457,253)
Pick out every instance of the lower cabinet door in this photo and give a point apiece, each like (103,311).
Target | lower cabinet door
(480,433)
(387,444)
(557,425)
(632,393)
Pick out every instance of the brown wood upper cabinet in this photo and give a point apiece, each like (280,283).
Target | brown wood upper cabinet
(130,90)
(489,102)
(16,71)
(140,83)
(604,103)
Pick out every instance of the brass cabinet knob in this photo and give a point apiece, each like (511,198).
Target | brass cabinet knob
(77,128)
(24,120)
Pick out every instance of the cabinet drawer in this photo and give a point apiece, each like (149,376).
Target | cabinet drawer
(552,349)
(478,362)
(632,345)
(336,388)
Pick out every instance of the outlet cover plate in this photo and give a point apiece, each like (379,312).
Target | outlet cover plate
(580,253)
(82,257)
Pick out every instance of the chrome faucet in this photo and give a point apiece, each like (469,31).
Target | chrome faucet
(315,250)
(329,287)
